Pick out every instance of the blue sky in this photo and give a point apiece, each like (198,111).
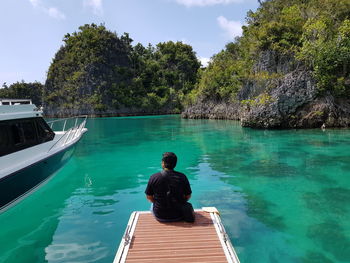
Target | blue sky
(32,30)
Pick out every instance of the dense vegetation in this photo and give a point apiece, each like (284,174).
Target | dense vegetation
(314,34)
(95,71)
(22,90)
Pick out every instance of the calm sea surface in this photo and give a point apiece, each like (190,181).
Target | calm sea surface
(284,196)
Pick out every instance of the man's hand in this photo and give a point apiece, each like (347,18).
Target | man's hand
(150,198)
(187,197)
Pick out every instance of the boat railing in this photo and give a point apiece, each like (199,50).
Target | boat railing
(72,128)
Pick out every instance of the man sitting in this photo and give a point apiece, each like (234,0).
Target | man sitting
(168,190)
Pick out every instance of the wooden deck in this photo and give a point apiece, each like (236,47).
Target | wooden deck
(147,240)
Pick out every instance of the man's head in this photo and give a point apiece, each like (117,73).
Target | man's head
(169,160)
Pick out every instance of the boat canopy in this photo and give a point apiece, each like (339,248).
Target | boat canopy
(18,109)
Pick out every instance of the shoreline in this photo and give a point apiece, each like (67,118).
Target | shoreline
(107,115)
(198,116)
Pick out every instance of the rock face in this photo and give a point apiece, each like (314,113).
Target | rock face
(212,110)
(290,100)
(277,108)
(59,112)
(272,62)
(324,110)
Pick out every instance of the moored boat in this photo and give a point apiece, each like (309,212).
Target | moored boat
(31,149)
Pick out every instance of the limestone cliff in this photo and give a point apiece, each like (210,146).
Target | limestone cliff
(289,100)
(295,103)
(290,68)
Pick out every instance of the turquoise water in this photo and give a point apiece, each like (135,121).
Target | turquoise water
(283,195)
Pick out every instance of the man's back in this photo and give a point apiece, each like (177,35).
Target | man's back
(168,189)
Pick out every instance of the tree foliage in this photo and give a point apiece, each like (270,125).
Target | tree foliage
(222,78)
(328,53)
(98,71)
(314,32)
(22,90)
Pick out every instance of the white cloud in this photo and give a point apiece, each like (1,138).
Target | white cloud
(51,11)
(204,61)
(34,3)
(55,13)
(232,28)
(96,6)
(190,3)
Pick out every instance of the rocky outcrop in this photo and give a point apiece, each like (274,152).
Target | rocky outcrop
(289,99)
(324,110)
(272,62)
(212,110)
(277,108)
(294,103)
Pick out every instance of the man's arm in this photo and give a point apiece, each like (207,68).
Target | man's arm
(150,198)
(149,190)
(187,189)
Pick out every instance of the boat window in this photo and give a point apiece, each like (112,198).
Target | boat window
(24,133)
(45,133)
(16,135)
(29,132)
(5,140)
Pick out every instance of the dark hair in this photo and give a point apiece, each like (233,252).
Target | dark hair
(169,160)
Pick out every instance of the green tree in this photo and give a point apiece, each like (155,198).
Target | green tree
(96,71)
(178,69)
(311,33)
(92,70)
(328,53)
(221,80)
(23,90)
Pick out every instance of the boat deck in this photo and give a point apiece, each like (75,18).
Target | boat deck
(147,240)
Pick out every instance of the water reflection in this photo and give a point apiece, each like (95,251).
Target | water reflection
(283,195)
(30,225)
(270,168)
(73,252)
(275,173)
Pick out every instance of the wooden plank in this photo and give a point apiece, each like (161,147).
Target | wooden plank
(199,245)
(193,252)
(201,259)
(154,241)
